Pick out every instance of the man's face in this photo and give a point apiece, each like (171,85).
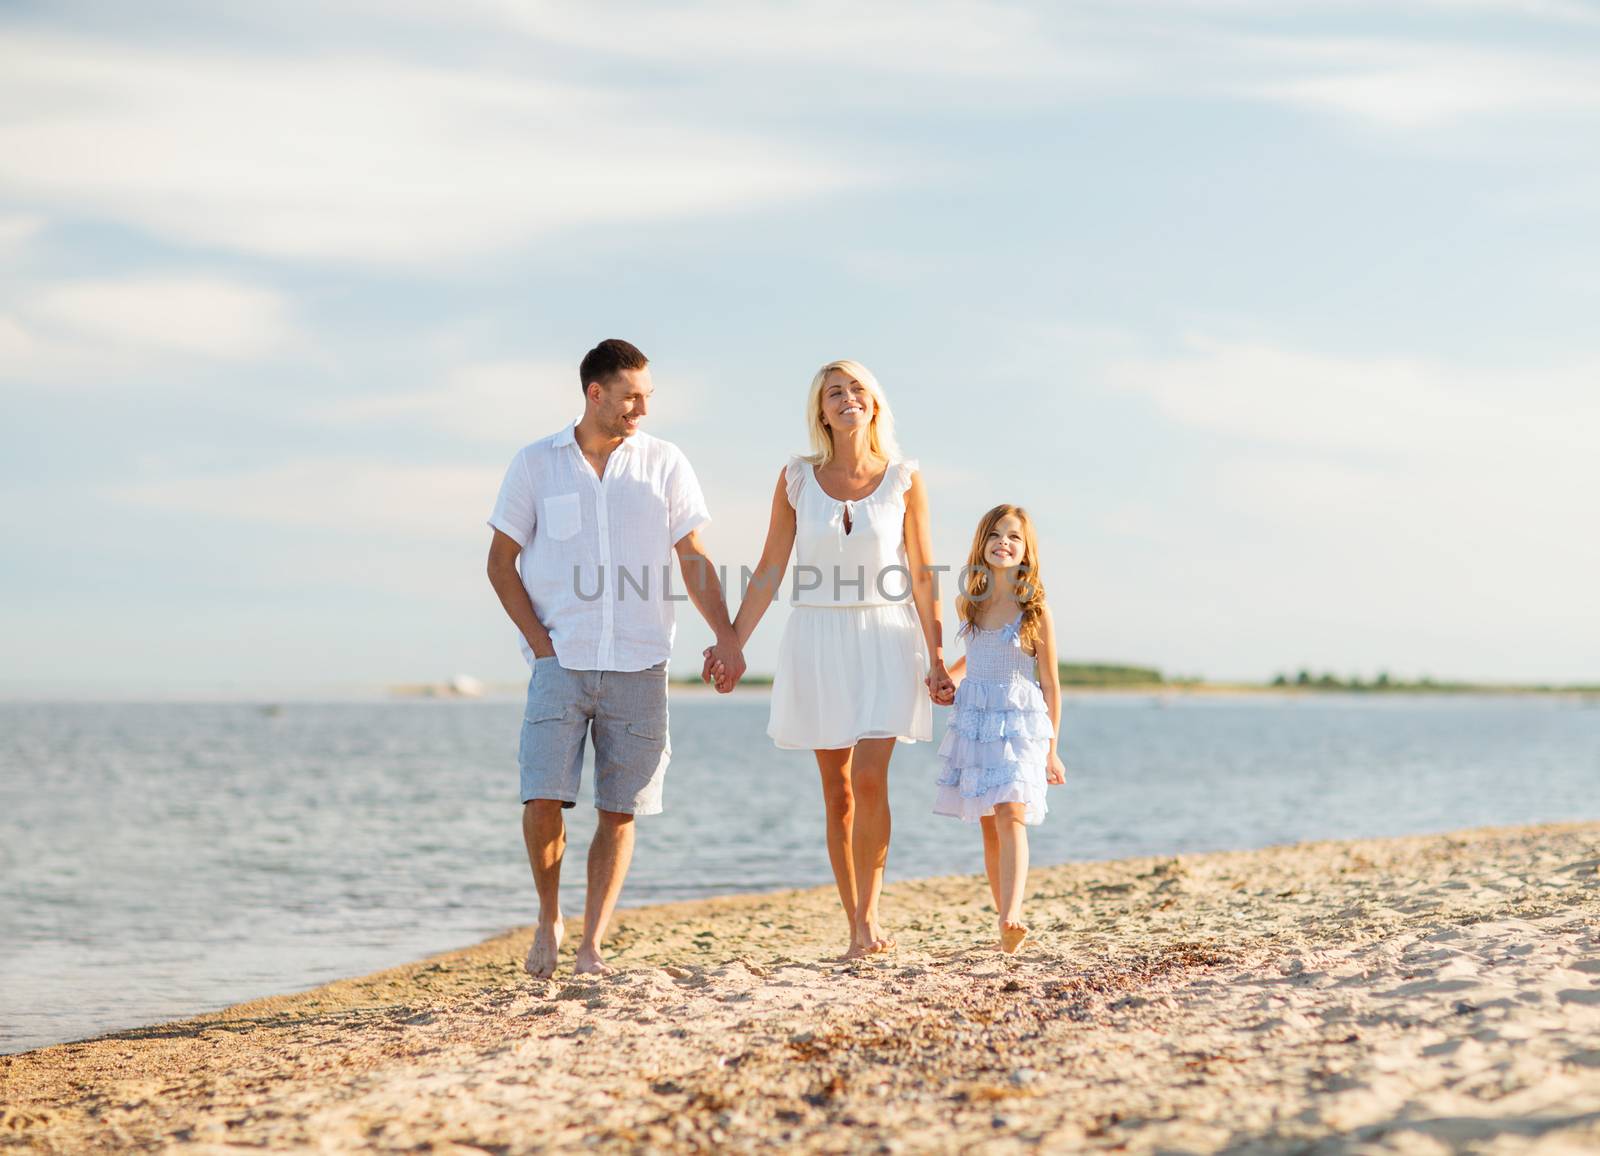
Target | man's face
(622,402)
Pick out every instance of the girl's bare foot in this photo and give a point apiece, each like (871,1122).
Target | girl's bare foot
(541,961)
(1012,936)
(591,962)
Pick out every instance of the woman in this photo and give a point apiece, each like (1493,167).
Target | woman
(854,665)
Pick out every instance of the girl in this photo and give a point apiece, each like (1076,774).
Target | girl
(1000,749)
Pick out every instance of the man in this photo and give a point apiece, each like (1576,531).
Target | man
(595,513)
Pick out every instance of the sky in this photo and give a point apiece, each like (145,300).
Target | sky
(1279,317)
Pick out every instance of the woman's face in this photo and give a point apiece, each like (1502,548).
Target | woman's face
(1003,548)
(846,403)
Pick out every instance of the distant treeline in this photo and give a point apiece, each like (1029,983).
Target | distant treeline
(1117,675)
(1382,683)
(1108,674)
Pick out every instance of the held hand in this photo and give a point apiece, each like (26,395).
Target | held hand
(941,687)
(731,656)
(711,670)
(725,664)
(1055,772)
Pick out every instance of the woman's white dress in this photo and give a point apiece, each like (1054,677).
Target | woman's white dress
(852,659)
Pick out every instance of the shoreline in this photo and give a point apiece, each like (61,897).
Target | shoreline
(382,694)
(1391,988)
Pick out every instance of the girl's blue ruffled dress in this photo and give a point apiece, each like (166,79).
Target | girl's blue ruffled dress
(998,739)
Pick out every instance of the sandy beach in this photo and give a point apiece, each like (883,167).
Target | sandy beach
(1428,995)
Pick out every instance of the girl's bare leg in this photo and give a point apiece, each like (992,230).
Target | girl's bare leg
(838,800)
(991,857)
(870,836)
(1013,839)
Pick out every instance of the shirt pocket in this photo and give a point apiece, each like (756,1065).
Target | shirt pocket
(562,516)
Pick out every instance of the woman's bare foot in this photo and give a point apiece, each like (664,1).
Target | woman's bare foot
(873,938)
(541,961)
(591,962)
(856,950)
(1012,936)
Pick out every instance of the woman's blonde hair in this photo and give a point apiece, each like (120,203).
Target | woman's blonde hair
(1030,586)
(882,430)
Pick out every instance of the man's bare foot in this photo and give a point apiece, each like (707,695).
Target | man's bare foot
(591,962)
(1012,936)
(541,961)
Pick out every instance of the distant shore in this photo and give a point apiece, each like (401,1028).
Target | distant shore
(1427,994)
(760,684)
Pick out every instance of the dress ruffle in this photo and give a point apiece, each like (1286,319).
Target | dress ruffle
(794,479)
(951,799)
(994,750)
(986,726)
(899,480)
(961,753)
(894,484)
(1015,694)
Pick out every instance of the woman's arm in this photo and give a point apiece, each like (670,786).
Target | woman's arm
(1050,682)
(768,577)
(924,593)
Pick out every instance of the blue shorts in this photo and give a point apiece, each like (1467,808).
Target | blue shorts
(627,712)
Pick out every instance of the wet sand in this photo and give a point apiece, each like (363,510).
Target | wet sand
(1427,995)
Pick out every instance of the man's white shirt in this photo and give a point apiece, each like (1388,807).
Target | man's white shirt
(581,534)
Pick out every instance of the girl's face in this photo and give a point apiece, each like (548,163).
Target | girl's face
(1003,548)
(846,403)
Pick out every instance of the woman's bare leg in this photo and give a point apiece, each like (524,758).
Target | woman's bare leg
(1013,839)
(870,836)
(838,800)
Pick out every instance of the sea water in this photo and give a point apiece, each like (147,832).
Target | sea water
(163,859)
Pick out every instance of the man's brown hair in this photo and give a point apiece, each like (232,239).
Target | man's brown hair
(608,359)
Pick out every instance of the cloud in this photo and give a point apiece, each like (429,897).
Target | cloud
(17,229)
(945,38)
(363,160)
(491,402)
(92,329)
(1420,85)
(503,402)
(1410,466)
(1391,407)
(191,315)
(353,496)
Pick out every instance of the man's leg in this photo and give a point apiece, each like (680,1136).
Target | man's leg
(551,760)
(609,856)
(546,836)
(631,752)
